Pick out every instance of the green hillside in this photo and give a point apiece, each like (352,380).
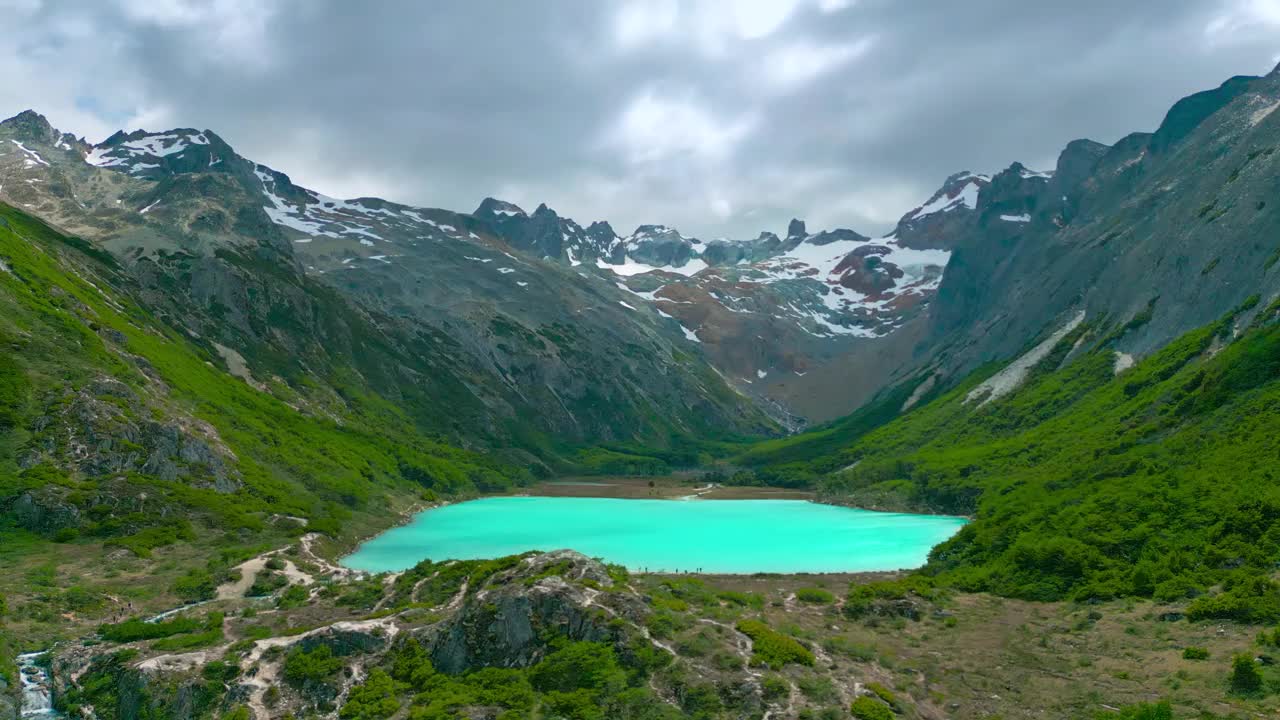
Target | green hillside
(119,431)
(1157,481)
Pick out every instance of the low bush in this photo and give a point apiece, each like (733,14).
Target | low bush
(771,648)
(867,708)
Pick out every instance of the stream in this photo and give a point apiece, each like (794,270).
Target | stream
(37,700)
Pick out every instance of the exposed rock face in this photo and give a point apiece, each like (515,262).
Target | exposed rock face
(942,221)
(103,430)
(1156,221)
(8,706)
(509,623)
(660,246)
(43,511)
(345,642)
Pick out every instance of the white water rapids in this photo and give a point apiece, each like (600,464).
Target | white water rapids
(37,686)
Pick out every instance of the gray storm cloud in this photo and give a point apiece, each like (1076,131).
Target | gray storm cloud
(721,117)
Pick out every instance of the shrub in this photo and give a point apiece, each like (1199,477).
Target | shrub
(866,708)
(879,596)
(1245,678)
(774,688)
(303,668)
(816,596)
(1253,601)
(294,596)
(374,699)
(818,689)
(1195,653)
(742,599)
(265,583)
(196,585)
(772,648)
(575,666)
(135,629)
(883,693)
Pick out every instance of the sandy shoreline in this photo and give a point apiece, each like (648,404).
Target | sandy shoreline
(655,488)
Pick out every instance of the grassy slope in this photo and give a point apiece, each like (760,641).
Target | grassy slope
(68,326)
(1159,481)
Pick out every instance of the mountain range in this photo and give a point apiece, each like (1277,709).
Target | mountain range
(823,301)
(204,363)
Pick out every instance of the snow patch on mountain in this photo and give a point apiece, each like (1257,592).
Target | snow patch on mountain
(1028,173)
(33,158)
(630,267)
(963,193)
(1012,376)
(132,154)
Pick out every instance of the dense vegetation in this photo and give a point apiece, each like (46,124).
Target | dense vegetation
(578,680)
(1159,481)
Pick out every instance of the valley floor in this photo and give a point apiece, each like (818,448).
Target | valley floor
(955,656)
(981,656)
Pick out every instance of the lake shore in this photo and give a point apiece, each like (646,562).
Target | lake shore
(654,488)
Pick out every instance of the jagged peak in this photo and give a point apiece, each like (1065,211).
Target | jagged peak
(964,176)
(1018,170)
(543,211)
(601,229)
(1084,145)
(1077,160)
(796,228)
(646,230)
(120,137)
(827,237)
(27,117)
(492,207)
(959,191)
(31,125)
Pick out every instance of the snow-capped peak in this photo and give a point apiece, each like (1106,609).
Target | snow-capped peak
(142,153)
(960,191)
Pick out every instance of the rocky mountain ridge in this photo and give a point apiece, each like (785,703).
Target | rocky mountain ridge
(841,315)
(815,292)
(241,257)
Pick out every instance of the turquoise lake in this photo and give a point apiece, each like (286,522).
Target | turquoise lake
(716,536)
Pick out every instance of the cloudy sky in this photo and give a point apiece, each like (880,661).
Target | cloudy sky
(721,117)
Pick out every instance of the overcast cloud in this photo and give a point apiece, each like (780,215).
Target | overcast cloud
(721,117)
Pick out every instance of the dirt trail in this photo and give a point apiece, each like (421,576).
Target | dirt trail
(268,673)
(183,661)
(249,570)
